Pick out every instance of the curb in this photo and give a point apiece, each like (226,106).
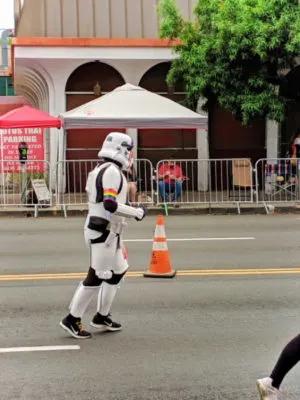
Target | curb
(205,210)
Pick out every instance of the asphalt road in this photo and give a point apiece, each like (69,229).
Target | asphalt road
(193,337)
(57,245)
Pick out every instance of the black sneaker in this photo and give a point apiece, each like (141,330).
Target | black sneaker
(75,329)
(100,321)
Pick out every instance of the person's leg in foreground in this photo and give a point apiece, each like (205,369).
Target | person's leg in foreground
(269,387)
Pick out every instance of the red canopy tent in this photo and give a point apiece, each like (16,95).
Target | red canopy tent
(28,117)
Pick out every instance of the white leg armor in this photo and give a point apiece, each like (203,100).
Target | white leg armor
(108,291)
(102,258)
(106,297)
(81,299)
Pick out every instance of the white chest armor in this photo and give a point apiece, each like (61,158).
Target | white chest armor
(94,190)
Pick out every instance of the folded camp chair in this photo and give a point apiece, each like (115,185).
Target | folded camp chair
(280,180)
(242,179)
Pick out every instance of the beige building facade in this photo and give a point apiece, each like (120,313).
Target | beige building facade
(64,49)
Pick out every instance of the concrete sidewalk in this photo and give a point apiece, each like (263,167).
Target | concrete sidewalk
(195,209)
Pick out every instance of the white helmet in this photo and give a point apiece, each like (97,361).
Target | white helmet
(117,146)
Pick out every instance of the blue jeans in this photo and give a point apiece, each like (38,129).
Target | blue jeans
(169,190)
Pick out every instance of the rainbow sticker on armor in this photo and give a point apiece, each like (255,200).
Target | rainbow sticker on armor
(110,194)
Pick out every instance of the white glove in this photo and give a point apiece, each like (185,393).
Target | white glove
(140,213)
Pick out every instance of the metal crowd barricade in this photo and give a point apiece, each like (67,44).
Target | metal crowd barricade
(145,174)
(277,181)
(210,181)
(25,185)
(71,178)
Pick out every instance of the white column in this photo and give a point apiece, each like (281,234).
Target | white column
(133,133)
(272,138)
(58,105)
(58,72)
(203,152)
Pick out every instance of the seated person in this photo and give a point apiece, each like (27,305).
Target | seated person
(132,184)
(169,181)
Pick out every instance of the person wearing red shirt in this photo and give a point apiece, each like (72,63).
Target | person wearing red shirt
(169,181)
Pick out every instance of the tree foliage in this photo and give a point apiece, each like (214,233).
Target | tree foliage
(235,53)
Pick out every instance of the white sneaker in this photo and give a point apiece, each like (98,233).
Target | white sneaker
(266,390)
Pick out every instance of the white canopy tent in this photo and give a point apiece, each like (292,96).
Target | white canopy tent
(131,106)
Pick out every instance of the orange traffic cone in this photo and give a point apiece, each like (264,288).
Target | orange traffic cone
(160,263)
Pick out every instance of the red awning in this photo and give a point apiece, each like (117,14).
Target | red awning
(28,117)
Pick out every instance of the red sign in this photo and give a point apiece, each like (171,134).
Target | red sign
(10,140)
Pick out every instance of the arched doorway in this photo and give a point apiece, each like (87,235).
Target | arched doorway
(158,144)
(86,83)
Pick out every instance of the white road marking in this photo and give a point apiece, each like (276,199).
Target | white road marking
(37,348)
(194,239)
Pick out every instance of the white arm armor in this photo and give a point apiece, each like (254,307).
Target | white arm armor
(129,212)
(111,179)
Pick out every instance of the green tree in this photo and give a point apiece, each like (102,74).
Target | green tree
(235,53)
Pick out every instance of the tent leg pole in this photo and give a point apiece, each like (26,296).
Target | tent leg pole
(65,211)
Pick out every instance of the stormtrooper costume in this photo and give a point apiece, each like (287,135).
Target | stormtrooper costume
(107,197)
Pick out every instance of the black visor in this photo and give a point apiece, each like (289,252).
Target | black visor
(128,146)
